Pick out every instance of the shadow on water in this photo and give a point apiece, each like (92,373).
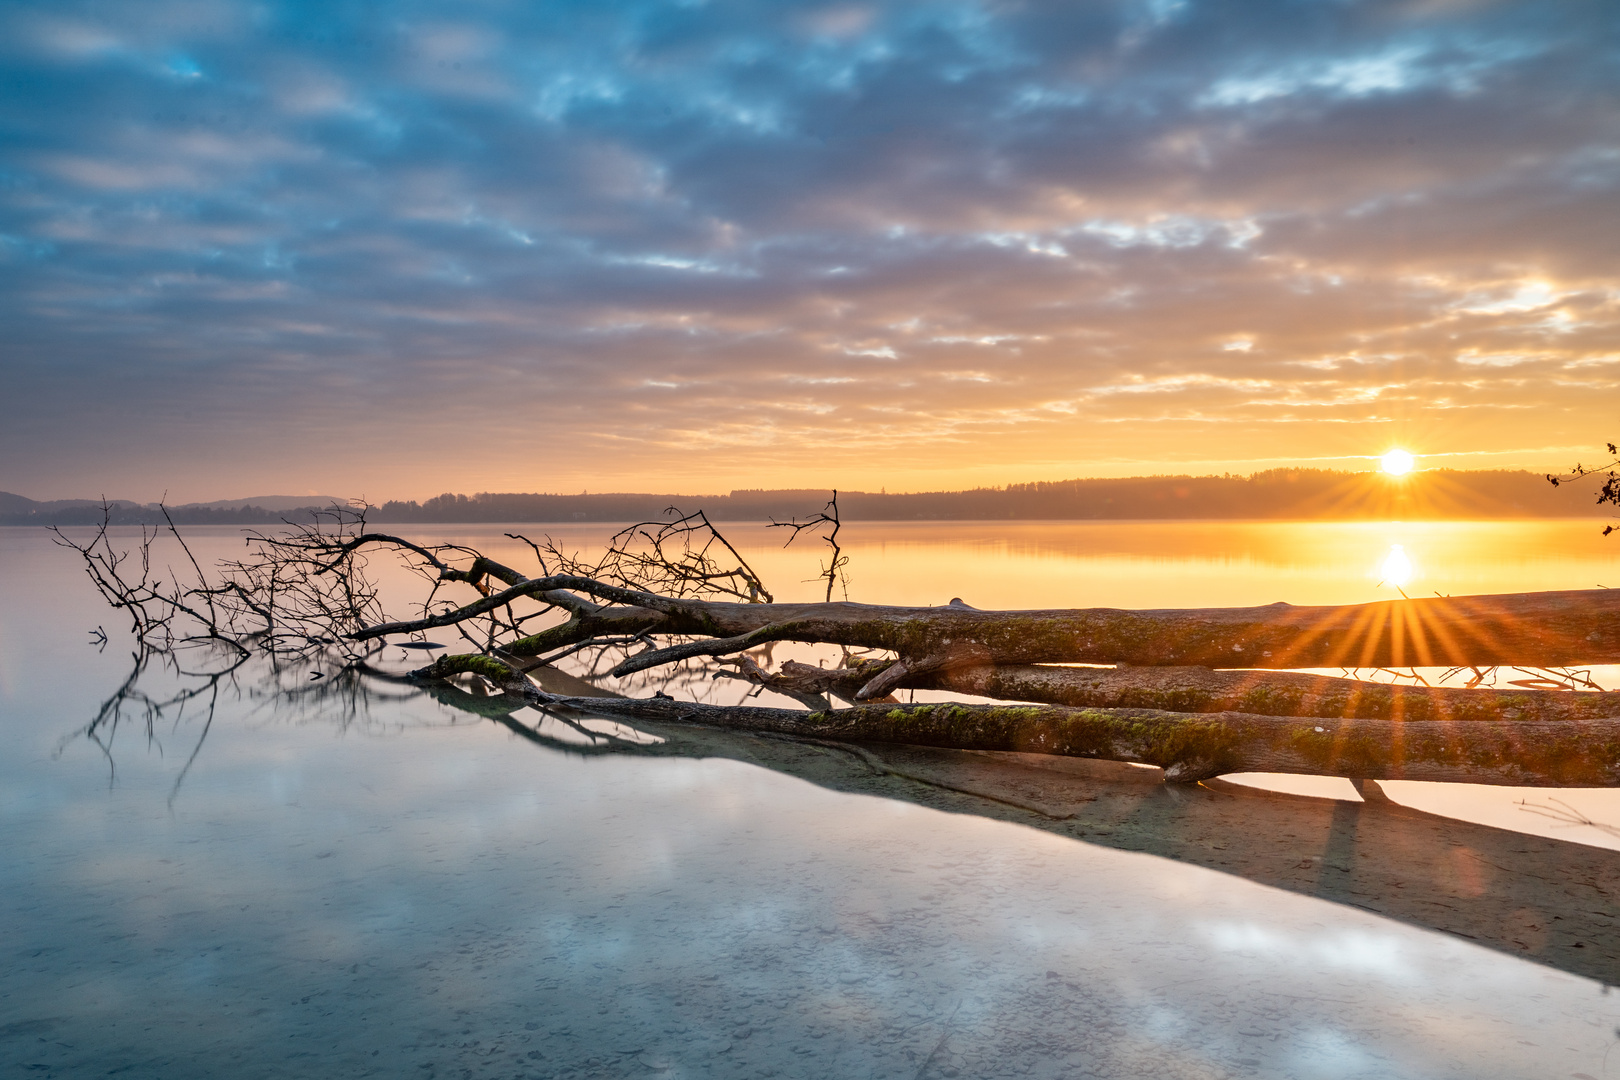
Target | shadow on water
(1542,899)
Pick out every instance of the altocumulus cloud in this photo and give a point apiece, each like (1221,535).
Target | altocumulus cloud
(397,248)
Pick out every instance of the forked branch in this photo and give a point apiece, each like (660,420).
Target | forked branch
(833,569)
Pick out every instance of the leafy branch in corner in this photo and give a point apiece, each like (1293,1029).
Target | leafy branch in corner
(1609,493)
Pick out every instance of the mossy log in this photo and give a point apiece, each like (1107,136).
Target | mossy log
(1189,747)
(1202,690)
(1536,629)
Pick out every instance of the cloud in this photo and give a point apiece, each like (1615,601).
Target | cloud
(438,247)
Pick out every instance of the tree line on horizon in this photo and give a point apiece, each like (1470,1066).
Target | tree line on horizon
(1275,494)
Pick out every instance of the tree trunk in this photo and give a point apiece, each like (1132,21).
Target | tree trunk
(1270,693)
(1535,629)
(1563,753)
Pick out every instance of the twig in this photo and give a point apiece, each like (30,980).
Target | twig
(1565,813)
(833,571)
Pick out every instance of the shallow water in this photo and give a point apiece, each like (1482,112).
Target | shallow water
(390,886)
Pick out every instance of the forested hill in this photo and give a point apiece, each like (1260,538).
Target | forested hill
(1281,494)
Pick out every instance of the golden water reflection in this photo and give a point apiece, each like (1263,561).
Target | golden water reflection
(1396,569)
(1193,564)
(1144,564)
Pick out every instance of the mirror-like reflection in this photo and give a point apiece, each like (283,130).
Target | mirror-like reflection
(357,878)
(1526,896)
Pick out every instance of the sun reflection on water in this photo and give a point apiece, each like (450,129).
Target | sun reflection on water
(1396,568)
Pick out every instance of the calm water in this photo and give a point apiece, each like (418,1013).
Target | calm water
(354,883)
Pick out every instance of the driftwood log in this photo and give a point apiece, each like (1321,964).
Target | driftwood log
(1534,629)
(1197,692)
(1192,719)
(1203,690)
(1556,753)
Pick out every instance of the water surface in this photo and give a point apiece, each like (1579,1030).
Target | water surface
(383,884)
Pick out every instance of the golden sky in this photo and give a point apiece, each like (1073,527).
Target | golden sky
(393,251)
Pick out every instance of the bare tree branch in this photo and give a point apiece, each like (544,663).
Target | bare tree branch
(833,570)
(682,591)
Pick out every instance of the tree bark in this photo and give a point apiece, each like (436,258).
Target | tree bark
(1269,693)
(1188,747)
(1564,753)
(1534,629)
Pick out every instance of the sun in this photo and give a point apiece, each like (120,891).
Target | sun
(1396,462)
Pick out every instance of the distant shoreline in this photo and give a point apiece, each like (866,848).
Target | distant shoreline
(1277,495)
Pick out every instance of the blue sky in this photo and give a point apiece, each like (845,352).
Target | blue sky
(397,249)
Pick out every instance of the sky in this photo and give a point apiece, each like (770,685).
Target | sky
(394,249)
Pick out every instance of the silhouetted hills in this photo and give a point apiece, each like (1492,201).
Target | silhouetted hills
(264,510)
(1279,494)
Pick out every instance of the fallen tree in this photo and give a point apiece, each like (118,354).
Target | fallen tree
(1205,690)
(1561,753)
(665,595)
(1536,629)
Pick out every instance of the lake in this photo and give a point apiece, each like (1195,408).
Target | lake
(331,878)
